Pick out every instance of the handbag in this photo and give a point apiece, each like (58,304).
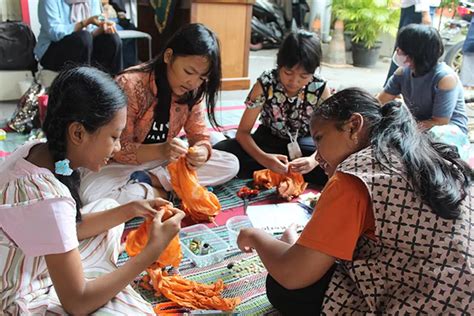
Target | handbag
(26,116)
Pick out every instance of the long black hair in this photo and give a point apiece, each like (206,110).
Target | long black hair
(423,44)
(192,39)
(300,47)
(435,170)
(82,94)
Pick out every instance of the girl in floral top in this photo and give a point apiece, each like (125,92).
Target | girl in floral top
(285,98)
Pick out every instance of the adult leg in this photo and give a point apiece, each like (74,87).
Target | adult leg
(317,175)
(75,48)
(305,301)
(107,52)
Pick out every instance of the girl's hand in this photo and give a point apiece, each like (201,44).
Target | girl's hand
(177,148)
(109,27)
(245,239)
(147,208)
(162,232)
(303,165)
(198,157)
(277,163)
(95,20)
(290,235)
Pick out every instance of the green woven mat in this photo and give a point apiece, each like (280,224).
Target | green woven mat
(248,284)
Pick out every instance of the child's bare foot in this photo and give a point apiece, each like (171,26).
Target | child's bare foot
(290,235)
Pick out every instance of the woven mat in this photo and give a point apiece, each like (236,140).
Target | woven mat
(248,285)
(227,193)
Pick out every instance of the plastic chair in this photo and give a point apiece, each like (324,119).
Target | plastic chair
(131,34)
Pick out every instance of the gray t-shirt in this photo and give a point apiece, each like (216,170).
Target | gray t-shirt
(425,100)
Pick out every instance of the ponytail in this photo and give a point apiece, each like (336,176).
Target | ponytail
(435,170)
(57,148)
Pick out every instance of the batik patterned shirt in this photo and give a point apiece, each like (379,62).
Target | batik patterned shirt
(284,114)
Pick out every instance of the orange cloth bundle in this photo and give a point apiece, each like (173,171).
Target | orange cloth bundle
(137,240)
(191,294)
(267,178)
(289,185)
(198,202)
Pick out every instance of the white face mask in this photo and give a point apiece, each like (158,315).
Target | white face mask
(400,60)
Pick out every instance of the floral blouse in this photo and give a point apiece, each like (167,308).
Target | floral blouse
(284,114)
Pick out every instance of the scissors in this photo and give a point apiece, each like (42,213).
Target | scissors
(245,193)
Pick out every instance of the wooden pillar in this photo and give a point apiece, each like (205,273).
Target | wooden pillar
(231,21)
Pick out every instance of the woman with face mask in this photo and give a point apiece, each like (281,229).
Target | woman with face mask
(431,90)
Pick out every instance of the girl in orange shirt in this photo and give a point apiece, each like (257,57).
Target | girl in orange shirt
(392,231)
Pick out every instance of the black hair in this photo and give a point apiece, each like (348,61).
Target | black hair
(423,44)
(192,39)
(81,94)
(435,170)
(300,48)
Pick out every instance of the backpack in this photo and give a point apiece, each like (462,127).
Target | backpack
(17,42)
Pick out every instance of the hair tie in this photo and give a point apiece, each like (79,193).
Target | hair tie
(62,167)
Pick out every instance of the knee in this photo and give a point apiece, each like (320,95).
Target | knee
(233,164)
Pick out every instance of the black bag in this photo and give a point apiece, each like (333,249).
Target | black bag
(17,42)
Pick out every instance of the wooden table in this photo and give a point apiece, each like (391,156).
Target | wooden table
(229,19)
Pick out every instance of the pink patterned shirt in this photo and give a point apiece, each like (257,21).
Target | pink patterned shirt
(141,91)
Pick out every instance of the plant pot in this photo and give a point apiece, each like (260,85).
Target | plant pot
(363,56)
(348,35)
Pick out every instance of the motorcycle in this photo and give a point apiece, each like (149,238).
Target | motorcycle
(454,34)
(268,24)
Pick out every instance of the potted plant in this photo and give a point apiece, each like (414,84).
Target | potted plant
(367,19)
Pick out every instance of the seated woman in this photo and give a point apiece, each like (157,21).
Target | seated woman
(392,230)
(73,32)
(165,96)
(285,97)
(431,90)
(59,256)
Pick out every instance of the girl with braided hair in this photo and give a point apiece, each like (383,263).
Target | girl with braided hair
(59,256)
(392,230)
